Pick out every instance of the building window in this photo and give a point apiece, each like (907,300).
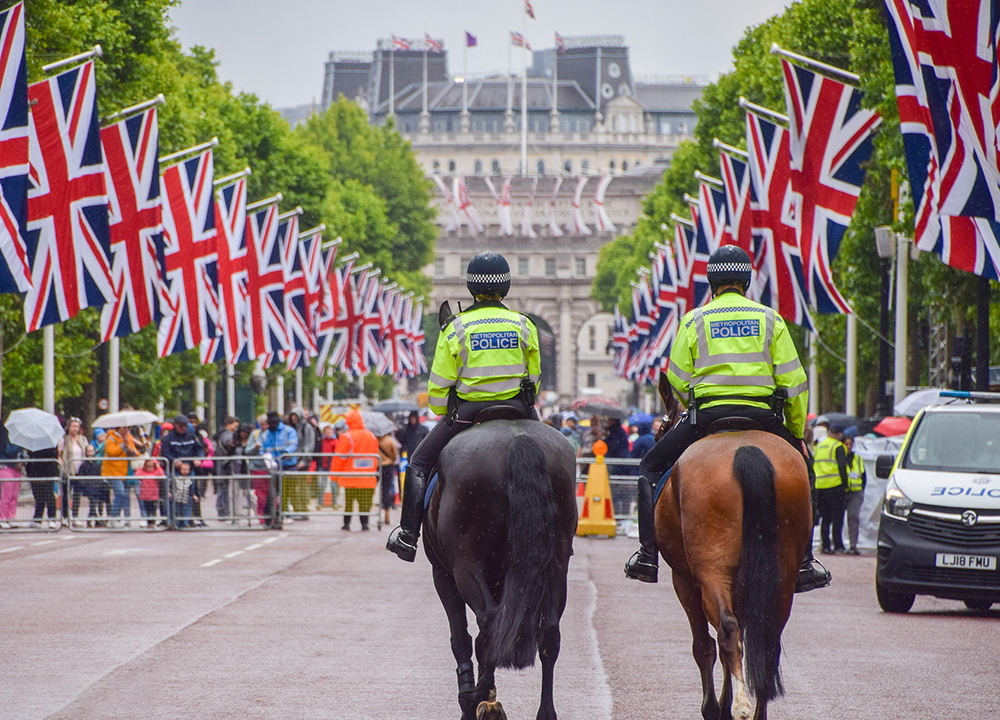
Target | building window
(496,167)
(570,125)
(611,165)
(624,165)
(465,265)
(593,337)
(478,166)
(585,166)
(541,167)
(581,268)
(440,126)
(550,267)
(436,166)
(522,267)
(584,126)
(439,267)
(568,166)
(614,123)
(591,380)
(665,127)
(451,166)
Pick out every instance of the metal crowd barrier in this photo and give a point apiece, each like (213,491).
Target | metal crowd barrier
(623,484)
(22,496)
(224,492)
(97,503)
(314,492)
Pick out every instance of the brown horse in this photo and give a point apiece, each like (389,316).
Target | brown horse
(733,523)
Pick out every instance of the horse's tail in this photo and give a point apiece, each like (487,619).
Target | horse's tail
(757,583)
(531,538)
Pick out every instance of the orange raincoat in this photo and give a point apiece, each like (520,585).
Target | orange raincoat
(357,441)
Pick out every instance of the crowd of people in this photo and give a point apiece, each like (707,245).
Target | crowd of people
(169,475)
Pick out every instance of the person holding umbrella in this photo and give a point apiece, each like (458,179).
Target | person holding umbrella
(38,432)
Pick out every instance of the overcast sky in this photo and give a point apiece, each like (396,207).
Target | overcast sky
(277,49)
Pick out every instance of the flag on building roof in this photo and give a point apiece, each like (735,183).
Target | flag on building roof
(399,43)
(189,280)
(135,217)
(517,40)
(830,143)
(529,11)
(470,39)
(15,273)
(434,46)
(67,237)
(773,211)
(560,43)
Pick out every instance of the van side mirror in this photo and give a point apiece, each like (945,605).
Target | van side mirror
(883,466)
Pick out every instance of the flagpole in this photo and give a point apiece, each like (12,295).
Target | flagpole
(230,390)
(128,112)
(761,110)
(524,97)
(729,149)
(425,117)
(851,380)
(699,175)
(835,72)
(49,368)
(509,115)
(298,388)
(114,373)
(95,52)
(392,76)
(214,142)
(199,398)
(554,122)
(813,374)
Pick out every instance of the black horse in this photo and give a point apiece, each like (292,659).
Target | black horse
(499,534)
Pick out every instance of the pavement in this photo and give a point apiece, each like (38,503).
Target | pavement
(313,622)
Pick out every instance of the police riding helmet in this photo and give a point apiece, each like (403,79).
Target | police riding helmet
(488,274)
(729,265)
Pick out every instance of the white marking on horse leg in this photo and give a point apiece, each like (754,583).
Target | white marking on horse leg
(741,703)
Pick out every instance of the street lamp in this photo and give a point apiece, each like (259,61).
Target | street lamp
(885,242)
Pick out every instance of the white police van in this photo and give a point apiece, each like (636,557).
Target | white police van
(940,528)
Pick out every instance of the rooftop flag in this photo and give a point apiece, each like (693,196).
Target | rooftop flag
(434,46)
(14,270)
(560,43)
(517,40)
(528,10)
(399,43)
(470,39)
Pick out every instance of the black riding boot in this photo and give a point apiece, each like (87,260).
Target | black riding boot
(403,540)
(812,574)
(643,563)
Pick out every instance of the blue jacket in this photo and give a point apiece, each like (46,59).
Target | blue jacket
(282,441)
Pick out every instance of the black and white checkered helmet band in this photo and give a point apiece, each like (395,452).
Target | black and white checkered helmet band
(487,279)
(728,269)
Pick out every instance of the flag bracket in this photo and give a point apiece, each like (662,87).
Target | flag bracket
(352,256)
(761,110)
(314,231)
(829,70)
(128,112)
(690,200)
(273,200)
(729,149)
(359,268)
(214,142)
(245,172)
(334,243)
(699,175)
(291,213)
(95,52)
(683,221)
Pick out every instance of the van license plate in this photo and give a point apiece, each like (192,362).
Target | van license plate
(965,562)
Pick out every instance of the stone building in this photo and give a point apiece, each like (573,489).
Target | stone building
(587,115)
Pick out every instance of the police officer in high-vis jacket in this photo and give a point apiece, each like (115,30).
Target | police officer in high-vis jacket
(485,356)
(732,357)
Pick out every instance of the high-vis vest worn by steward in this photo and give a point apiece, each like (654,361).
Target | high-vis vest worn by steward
(855,473)
(484,353)
(825,463)
(736,348)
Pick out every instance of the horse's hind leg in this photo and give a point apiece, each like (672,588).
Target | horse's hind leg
(461,641)
(549,640)
(703,646)
(731,650)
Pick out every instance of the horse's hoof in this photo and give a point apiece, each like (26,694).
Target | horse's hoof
(490,711)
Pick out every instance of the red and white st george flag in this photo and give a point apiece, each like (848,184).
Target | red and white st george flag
(604,223)
(189,280)
(135,216)
(15,272)
(67,236)
(577,225)
(464,204)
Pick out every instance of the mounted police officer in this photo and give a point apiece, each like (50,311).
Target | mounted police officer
(485,356)
(732,357)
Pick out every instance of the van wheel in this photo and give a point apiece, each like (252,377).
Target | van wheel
(893,602)
(981,605)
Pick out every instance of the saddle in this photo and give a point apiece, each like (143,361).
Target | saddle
(499,412)
(733,424)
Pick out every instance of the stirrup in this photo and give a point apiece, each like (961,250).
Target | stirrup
(638,568)
(400,542)
(811,577)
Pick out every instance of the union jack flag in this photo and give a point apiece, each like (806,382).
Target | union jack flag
(346,335)
(399,43)
(668,301)
(136,219)
(435,46)
(774,212)
(685,238)
(311,259)
(704,246)
(830,145)
(230,225)
(300,331)
(417,338)
(266,329)
(328,310)
(396,356)
(529,11)
(517,40)
(713,214)
(15,273)
(736,186)
(619,341)
(560,43)
(369,348)
(642,321)
(943,56)
(189,280)
(67,237)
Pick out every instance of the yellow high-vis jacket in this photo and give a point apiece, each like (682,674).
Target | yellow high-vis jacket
(825,463)
(734,347)
(484,353)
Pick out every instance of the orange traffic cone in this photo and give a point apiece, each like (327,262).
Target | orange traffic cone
(598,516)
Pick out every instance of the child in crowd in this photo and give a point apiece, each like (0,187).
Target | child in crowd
(150,476)
(184,493)
(328,444)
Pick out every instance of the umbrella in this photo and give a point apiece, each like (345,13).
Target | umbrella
(836,419)
(891,426)
(917,401)
(34,429)
(639,418)
(125,418)
(601,408)
(378,423)
(392,406)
